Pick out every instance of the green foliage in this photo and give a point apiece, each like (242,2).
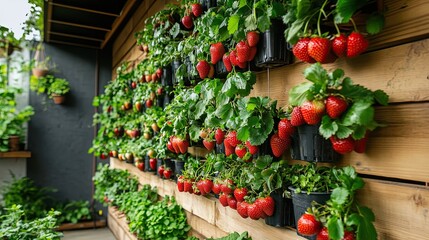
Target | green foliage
(15,226)
(310,178)
(59,87)
(234,236)
(49,85)
(73,211)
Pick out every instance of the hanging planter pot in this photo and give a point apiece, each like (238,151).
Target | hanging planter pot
(160,101)
(295,152)
(283,211)
(313,147)
(301,201)
(39,72)
(167,99)
(174,66)
(58,99)
(167,76)
(179,165)
(192,75)
(272,47)
(220,70)
(207,4)
(14,143)
(41,62)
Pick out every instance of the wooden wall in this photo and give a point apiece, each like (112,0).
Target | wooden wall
(396,165)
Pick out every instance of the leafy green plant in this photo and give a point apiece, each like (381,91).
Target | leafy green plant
(310,178)
(234,236)
(15,226)
(73,211)
(8,41)
(60,86)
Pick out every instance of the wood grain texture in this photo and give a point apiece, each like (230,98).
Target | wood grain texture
(118,225)
(19,154)
(205,229)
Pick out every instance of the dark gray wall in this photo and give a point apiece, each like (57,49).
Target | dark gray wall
(60,135)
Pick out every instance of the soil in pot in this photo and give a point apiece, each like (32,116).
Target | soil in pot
(272,47)
(283,211)
(14,144)
(58,99)
(313,147)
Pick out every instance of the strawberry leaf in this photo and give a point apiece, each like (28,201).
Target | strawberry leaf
(335,228)
(328,127)
(316,74)
(366,229)
(233,24)
(243,133)
(339,195)
(291,34)
(381,97)
(299,93)
(264,23)
(250,23)
(263,162)
(360,112)
(359,132)
(303,7)
(346,8)
(375,23)
(343,131)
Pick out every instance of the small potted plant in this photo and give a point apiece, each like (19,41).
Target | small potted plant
(58,89)
(41,62)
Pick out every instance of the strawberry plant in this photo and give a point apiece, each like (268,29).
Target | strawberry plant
(344,110)
(310,178)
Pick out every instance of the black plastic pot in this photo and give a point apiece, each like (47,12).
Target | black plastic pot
(220,70)
(192,77)
(174,66)
(294,147)
(220,148)
(169,163)
(166,78)
(160,101)
(301,201)
(178,166)
(283,211)
(272,47)
(313,147)
(207,4)
(167,99)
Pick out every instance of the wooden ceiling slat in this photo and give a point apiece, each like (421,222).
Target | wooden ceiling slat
(74,44)
(76,36)
(79,25)
(84,9)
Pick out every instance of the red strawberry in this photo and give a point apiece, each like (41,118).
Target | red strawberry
(103,156)
(335,106)
(242,65)
(175,142)
(267,205)
(227,62)
(323,234)
(231,138)
(223,199)
(167,173)
(227,187)
(216,188)
(343,146)
(243,51)
(187,186)
(180,184)
(242,209)
(319,48)
(197,9)
(313,111)
(339,45)
(240,193)
(240,151)
(209,144)
(300,50)
(252,149)
(200,186)
(159,72)
(252,38)
(187,22)
(285,128)
(207,185)
(133,85)
(228,148)
(170,147)
(296,118)
(203,68)
(360,145)
(152,163)
(233,58)
(219,136)
(232,202)
(253,51)
(149,103)
(140,166)
(217,51)
(278,145)
(356,44)
(348,235)
(308,225)
(183,146)
(254,211)
(161,171)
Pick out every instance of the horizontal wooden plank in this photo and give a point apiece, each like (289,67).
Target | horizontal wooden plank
(81,225)
(19,154)
(405,21)
(401,210)
(118,225)
(204,228)
(400,71)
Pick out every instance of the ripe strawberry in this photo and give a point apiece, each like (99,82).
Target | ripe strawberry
(231,138)
(240,193)
(200,186)
(138,106)
(278,145)
(240,151)
(242,209)
(308,225)
(323,234)
(296,118)
(267,205)
(313,111)
(243,51)
(228,148)
(339,45)
(180,184)
(209,144)
(348,235)
(223,199)
(167,173)
(216,188)
(242,65)
(253,51)
(319,48)
(175,142)
(233,58)
(343,146)
(103,156)
(300,50)
(217,51)
(360,145)
(335,106)
(160,91)
(252,149)
(160,171)
(207,185)
(170,147)
(203,68)
(183,146)
(227,62)
(252,38)
(152,163)
(232,202)
(187,22)
(219,136)
(356,44)
(133,85)
(227,187)
(149,103)
(187,186)
(159,72)
(197,9)
(254,211)
(154,77)
(285,128)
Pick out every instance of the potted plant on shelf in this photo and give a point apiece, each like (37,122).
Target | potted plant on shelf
(58,89)
(332,107)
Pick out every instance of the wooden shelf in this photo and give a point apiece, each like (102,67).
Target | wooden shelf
(19,154)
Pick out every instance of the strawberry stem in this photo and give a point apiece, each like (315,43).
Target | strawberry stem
(354,24)
(320,17)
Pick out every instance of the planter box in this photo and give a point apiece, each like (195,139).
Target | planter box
(82,225)
(312,146)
